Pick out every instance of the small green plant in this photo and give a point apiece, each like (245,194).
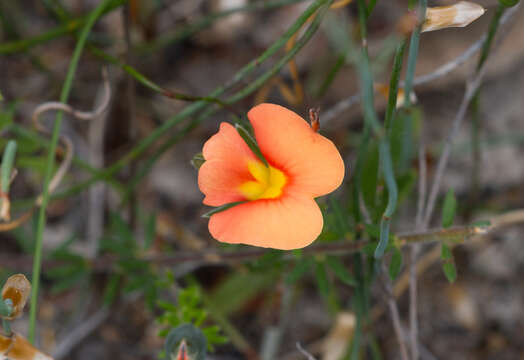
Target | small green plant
(189,310)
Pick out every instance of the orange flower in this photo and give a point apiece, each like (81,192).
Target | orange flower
(279,209)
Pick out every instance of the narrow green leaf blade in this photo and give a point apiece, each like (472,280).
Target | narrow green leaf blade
(300,269)
(222,208)
(449,208)
(150,231)
(251,142)
(340,271)
(322,280)
(450,271)
(8,160)
(396,263)
(448,265)
(445,253)
(370,177)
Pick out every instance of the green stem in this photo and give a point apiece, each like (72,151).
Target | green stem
(413,53)
(476,121)
(200,105)
(370,116)
(91,19)
(493,27)
(341,61)
(393,85)
(8,160)
(387,169)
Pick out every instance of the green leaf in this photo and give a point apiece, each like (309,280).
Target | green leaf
(445,253)
(213,336)
(300,269)
(76,279)
(240,287)
(271,259)
(6,115)
(111,289)
(33,163)
(340,271)
(509,3)
(341,222)
(449,208)
(450,271)
(8,160)
(373,230)
(150,231)
(251,142)
(448,265)
(400,132)
(405,183)
(370,177)
(197,160)
(396,263)
(322,280)
(222,208)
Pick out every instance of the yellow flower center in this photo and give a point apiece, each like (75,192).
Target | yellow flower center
(268,183)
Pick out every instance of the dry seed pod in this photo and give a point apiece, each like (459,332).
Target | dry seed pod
(17,288)
(16,347)
(457,15)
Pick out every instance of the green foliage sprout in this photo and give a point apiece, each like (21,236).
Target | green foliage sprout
(189,310)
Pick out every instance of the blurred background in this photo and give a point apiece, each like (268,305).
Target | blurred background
(186,49)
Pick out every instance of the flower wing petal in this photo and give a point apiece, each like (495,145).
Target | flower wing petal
(312,161)
(225,168)
(291,222)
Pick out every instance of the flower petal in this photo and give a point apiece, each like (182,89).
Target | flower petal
(311,161)
(290,222)
(225,167)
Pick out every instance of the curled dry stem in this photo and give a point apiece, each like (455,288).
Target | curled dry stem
(68,144)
